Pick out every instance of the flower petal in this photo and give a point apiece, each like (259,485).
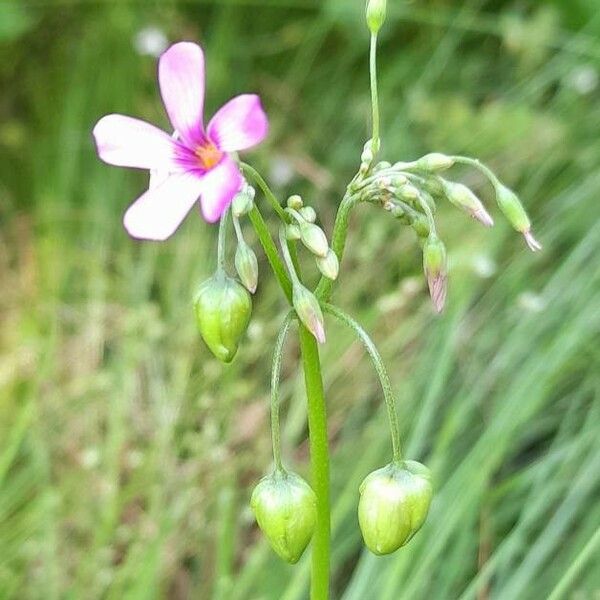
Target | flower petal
(156,214)
(219,186)
(239,124)
(128,142)
(181,80)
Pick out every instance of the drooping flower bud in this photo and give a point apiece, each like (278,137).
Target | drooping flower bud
(513,210)
(292,232)
(314,238)
(435,162)
(309,311)
(435,263)
(243,201)
(246,265)
(394,502)
(308,213)
(285,508)
(330,265)
(295,202)
(462,197)
(222,307)
(376,12)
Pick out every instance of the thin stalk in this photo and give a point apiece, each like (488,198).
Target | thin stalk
(319,459)
(290,262)
(262,184)
(275,377)
(388,394)
(374,92)
(473,162)
(222,242)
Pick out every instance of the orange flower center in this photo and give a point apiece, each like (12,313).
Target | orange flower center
(208,155)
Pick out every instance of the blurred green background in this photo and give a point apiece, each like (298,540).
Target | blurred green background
(127,453)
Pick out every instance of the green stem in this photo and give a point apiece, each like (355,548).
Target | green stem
(275,377)
(473,162)
(388,394)
(374,92)
(319,458)
(264,236)
(262,184)
(222,242)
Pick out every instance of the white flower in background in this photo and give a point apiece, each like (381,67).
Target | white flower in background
(484,266)
(281,171)
(150,41)
(583,79)
(531,302)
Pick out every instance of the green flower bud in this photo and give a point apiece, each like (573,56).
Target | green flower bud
(314,238)
(394,502)
(285,508)
(292,232)
(376,11)
(223,308)
(308,214)
(330,265)
(309,311)
(462,197)
(381,166)
(295,202)
(434,162)
(515,213)
(435,263)
(407,192)
(243,201)
(421,226)
(246,265)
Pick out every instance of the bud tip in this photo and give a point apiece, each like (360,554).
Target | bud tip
(533,244)
(438,287)
(484,217)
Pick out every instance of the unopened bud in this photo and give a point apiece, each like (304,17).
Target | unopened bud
(435,263)
(394,502)
(285,509)
(514,211)
(420,224)
(309,311)
(462,197)
(434,162)
(295,202)
(382,166)
(308,214)
(292,232)
(222,307)
(408,192)
(376,11)
(243,201)
(314,238)
(246,265)
(330,265)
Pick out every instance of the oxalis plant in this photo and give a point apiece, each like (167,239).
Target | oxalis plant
(198,163)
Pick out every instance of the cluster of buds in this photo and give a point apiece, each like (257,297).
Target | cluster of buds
(410,190)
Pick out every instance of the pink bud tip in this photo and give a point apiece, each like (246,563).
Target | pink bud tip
(533,244)
(484,217)
(438,287)
(318,331)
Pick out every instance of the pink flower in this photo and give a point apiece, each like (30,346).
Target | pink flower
(196,159)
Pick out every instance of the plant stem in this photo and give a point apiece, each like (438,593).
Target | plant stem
(390,400)
(221,244)
(319,458)
(262,184)
(374,92)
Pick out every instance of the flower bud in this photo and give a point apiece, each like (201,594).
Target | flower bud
(292,232)
(434,162)
(382,166)
(285,508)
(223,308)
(420,224)
(462,197)
(295,202)
(314,238)
(308,214)
(407,192)
(330,265)
(435,263)
(376,11)
(394,502)
(243,201)
(309,311)
(246,265)
(515,213)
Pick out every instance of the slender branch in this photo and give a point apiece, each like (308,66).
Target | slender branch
(374,92)
(390,400)
(222,242)
(473,162)
(275,377)
(287,258)
(262,184)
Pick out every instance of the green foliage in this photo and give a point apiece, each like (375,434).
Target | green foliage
(128,453)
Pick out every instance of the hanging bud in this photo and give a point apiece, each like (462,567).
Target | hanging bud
(223,308)
(309,311)
(462,197)
(292,232)
(243,201)
(308,214)
(434,162)
(420,224)
(513,210)
(407,192)
(246,265)
(394,502)
(285,509)
(376,10)
(314,238)
(295,202)
(330,265)
(435,263)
